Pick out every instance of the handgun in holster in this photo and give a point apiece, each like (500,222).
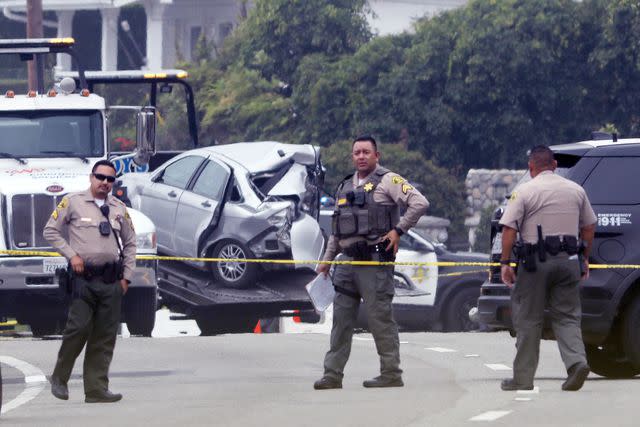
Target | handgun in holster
(581,249)
(65,281)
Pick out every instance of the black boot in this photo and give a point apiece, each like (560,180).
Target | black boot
(382,381)
(511,385)
(327,383)
(578,373)
(59,389)
(102,397)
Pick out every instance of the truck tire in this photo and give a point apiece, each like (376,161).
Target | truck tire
(214,325)
(44,326)
(456,311)
(140,305)
(631,332)
(236,275)
(607,363)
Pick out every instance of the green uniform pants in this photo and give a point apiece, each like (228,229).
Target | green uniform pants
(375,285)
(93,320)
(555,285)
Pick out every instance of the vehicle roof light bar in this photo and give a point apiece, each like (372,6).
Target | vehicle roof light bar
(36,45)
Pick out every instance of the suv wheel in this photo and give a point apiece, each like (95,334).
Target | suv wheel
(456,314)
(607,363)
(631,332)
(234,273)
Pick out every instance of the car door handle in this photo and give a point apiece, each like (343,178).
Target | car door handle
(206,204)
(172,193)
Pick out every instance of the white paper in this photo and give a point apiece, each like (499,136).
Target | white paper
(321,292)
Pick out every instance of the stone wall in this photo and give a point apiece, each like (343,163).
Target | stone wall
(486,188)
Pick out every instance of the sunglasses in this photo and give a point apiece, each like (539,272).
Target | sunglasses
(100,177)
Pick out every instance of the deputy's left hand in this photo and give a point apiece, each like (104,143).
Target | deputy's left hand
(124,284)
(394,238)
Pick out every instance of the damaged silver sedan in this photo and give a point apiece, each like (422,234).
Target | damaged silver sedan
(251,200)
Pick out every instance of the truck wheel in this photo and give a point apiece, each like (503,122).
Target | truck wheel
(631,332)
(140,305)
(234,274)
(456,314)
(607,363)
(214,324)
(46,326)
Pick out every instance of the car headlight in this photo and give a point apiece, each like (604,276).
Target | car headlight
(146,240)
(278,219)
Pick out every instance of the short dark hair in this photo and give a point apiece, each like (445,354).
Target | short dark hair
(541,156)
(365,138)
(103,163)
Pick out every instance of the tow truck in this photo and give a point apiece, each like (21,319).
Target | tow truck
(186,291)
(49,140)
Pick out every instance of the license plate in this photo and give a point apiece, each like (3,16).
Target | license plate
(49,265)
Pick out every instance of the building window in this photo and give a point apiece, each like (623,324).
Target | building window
(225,30)
(196,32)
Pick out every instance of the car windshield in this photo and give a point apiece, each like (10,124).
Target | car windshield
(51,134)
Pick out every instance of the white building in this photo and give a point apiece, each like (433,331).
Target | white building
(175,25)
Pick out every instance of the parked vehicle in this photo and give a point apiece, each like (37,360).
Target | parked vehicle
(49,141)
(431,297)
(238,201)
(607,169)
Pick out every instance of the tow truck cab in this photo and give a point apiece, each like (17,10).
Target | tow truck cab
(49,141)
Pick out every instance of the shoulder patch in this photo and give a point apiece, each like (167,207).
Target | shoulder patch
(63,203)
(406,188)
(397,179)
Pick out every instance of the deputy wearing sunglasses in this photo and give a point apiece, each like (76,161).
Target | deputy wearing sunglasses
(101,249)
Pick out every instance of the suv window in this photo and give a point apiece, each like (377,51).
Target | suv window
(212,181)
(614,182)
(178,173)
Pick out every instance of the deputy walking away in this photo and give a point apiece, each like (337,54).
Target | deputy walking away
(549,211)
(101,250)
(367,227)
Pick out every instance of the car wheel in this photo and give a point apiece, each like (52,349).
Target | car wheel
(234,274)
(456,314)
(631,332)
(607,363)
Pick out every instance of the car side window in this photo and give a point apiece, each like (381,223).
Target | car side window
(212,181)
(178,173)
(614,182)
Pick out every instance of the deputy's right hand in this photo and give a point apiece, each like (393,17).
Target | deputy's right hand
(323,269)
(77,264)
(507,275)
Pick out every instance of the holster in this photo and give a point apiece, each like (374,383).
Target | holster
(527,257)
(113,271)
(65,281)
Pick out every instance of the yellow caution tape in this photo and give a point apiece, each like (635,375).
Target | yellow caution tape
(290,261)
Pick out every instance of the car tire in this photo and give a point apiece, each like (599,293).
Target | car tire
(140,306)
(236,275)
(606,363)
(631,332)
(456,314)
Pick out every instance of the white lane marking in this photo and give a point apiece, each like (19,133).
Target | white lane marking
(441,349)
(490,416)
(404,342)
(497,366)
(34,379)
(522,399)
(362,339)
(471,355)
(535,390)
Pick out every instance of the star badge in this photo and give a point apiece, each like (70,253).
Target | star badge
(368,187)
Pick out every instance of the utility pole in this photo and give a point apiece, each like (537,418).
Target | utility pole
(35,68)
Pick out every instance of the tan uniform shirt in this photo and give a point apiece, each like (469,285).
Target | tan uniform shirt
(393,189)
(559,205)
(73,230)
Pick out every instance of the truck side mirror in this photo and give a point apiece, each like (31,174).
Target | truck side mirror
(145,135)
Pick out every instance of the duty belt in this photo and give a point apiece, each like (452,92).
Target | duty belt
(361,251)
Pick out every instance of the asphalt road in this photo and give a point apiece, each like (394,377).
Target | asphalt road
(267,380)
